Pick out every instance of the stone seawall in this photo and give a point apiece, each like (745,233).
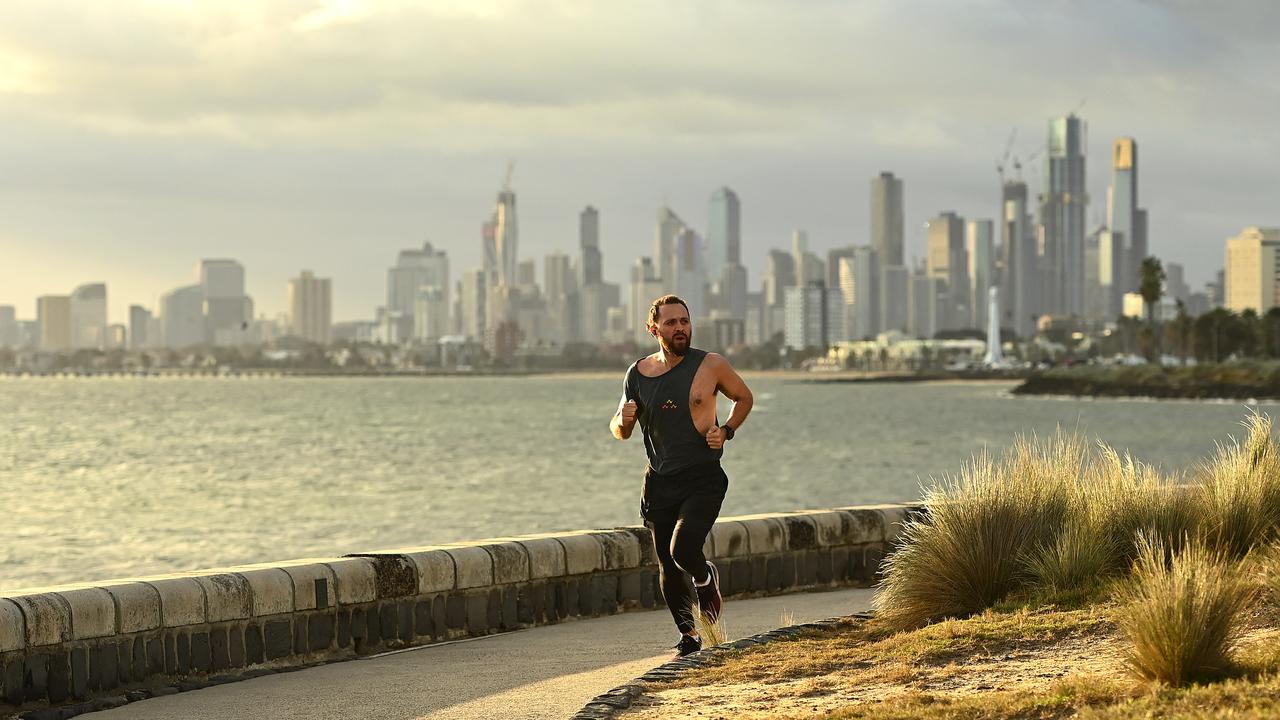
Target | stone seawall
(75,643)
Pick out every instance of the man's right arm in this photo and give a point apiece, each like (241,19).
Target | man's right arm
(624,420)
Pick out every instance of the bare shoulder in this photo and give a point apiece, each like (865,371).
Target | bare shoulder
(717,362)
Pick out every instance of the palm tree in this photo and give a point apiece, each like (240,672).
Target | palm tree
(1151,286)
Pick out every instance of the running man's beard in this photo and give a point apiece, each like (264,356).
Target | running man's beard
(681,351)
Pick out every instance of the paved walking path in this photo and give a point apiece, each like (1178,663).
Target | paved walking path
(543,672)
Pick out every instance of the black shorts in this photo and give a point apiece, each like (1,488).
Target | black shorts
(699,489)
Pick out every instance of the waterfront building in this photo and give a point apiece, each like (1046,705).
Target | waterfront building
(311,308)
(1251,270)
(814,317)
(417,270)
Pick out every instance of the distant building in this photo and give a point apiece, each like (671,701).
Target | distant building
(591,264)
(1251,270)
(645,287)
(89,316)
(1111,261)
(417,270)
(8,327)
(895,303)
(724,232)
(887,218)
(979,245)
(926,309)
(311,308)
(1019,296)
(53,315)
(859,277)
(814,317)
(691,277)
(1062,215)
(947,261)
(732,290)
(1126,221)
(664,254)
(139,327)
(226,308)
(182,317)
(560,285)
(473,295)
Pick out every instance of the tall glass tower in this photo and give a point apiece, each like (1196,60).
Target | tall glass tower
(724,232)
(1062,214)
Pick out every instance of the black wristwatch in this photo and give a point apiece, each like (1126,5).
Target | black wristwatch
(728,432)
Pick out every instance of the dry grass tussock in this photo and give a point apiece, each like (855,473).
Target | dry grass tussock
(968,552)
(1240,490)
(1183,612)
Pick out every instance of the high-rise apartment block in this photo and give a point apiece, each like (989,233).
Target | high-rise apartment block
(589,246)
(311,308)
(1251,270)
(947,261)
(1020,288)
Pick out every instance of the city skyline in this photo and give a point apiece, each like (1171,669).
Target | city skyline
(132,191)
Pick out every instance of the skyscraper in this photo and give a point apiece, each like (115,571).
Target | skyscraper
(311,308)
(589,244)
(8,326)
(1126,221)
(724,232)
(859,283)
(560,287)
(139,328)
(979,244)
(691,279)
(1018,295)
(227,309)
(473,295)
(664,253)
(947,261)
(887,218)
(505,235)
(182,318)
(53,318)
(417,270)
(645,287)
(1062,213)
(89,316)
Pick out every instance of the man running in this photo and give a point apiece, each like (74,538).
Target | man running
(672,393)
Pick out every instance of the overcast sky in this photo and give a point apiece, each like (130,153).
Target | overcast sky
(138,137)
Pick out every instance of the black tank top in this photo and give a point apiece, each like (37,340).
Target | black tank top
(670,439)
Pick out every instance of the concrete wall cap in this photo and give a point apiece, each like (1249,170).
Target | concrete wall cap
(270,589)
(582,553)
(93,612)
(182,600)
(765,533)
(436,570)
(546,556)
(13,630)
(46,617)
(729,539)
(137,606)
(227,596)
(621,549)
(473,565)
(354,578)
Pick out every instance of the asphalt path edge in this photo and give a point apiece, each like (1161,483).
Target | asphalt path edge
(606,706)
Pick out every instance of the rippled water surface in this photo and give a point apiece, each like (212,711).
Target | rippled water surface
(114,477)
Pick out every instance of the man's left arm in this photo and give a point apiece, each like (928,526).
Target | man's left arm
(731,384)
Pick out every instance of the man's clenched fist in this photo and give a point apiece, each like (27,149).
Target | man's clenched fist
(629,413)
(715,437)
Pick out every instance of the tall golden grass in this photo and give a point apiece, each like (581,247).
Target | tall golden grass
(1181,611)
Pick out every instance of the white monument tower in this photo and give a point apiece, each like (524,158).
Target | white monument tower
(994,357)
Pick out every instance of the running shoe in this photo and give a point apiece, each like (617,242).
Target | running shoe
(688,645)
(709,600)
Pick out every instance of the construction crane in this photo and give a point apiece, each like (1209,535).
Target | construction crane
(1017,164)
(1004,159)
(506,182)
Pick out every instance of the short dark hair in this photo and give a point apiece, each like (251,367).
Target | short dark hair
(664,300)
